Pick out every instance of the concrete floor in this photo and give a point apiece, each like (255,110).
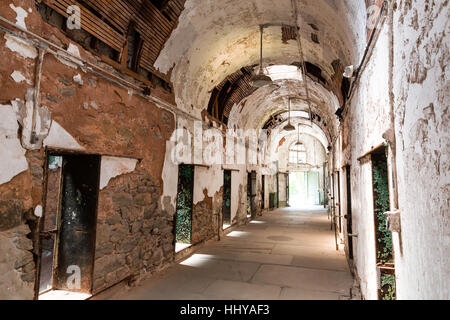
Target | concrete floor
(286,254)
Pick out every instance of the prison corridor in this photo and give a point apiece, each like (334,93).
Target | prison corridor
(287,254)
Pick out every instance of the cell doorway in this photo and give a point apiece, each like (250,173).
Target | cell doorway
(304,189)
(226,210)
(68,229)
(183,216)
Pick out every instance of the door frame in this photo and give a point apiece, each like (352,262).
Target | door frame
(61,153)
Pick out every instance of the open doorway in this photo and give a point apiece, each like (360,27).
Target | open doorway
(348,216)
(304,189)
(263,191)
(67,234)
(383,237)
(185,200)
(226,211)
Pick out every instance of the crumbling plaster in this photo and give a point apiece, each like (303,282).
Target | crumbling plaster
(418,85)
(115,122)
(421,102)
(255,110)
(112,167)
(368,119)
(11,151)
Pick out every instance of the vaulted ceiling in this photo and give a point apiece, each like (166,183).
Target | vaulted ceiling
(216,38)
(217,42)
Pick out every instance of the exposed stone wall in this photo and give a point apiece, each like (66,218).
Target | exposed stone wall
(134,236)
(204,219)
(17,267)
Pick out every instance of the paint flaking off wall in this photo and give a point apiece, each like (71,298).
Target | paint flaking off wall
(11,151)
(113,167)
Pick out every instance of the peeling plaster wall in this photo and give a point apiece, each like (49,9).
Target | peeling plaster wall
(367,120)
(112,167)
(207,206)
(420,100)
(238,198)
(11,151)
(421,88)
(92,115)
(170,181)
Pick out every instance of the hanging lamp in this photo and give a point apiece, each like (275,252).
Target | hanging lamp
(260,80)
(289,126)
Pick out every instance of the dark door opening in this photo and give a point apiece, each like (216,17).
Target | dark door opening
(251,194)
(263,190)
(69,228)
(278,190)
(383,237)
(254,194)
(185,198)
(287,189)
(134,47)
(349,212)
(338,201)
(226,212)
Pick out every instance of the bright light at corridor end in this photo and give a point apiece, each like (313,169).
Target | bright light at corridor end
(284,72)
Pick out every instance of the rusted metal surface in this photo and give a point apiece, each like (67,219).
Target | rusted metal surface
(76,238)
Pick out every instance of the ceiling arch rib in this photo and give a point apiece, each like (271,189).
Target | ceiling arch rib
(261,106)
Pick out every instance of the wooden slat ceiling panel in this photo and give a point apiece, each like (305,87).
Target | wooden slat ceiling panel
(241,81)
(90,23)
(153,25)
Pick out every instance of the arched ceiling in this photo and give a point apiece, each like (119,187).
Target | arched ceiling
(215,38)
(279,135)
(254,111)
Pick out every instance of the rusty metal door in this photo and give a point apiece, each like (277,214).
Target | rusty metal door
(76,236)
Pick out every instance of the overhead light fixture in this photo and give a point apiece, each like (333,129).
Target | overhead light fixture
(260,80)
(349,71)
(289,126)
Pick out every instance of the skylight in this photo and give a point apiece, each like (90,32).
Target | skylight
(284,72)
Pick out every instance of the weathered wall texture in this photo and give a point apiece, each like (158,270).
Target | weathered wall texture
(421,88)
(369,113)
(134,232)
(416,67)
(134,236)
(211,37)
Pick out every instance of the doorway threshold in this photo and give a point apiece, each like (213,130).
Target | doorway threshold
(181,246)
(64,295)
